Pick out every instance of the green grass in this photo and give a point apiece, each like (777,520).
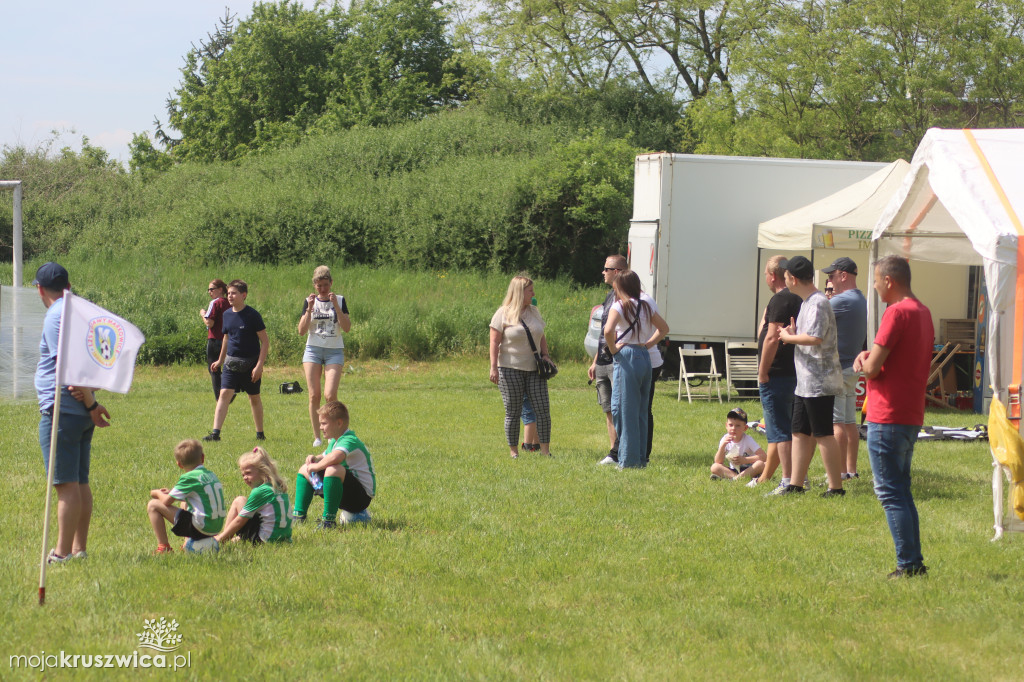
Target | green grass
(480,567)
(395,313)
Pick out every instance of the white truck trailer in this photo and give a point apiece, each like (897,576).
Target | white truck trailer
(694,232)
(693,236)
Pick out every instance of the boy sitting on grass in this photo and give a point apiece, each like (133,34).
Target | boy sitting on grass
(343,475)
(201,514)
(744,455)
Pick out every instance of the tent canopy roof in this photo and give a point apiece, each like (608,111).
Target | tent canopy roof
(966,186)
(856,208)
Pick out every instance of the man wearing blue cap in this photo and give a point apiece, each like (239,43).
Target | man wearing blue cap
(79,415)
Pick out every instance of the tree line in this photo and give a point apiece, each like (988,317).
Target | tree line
(497,134)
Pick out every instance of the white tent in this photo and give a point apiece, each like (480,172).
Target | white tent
(841,220)
(961,202)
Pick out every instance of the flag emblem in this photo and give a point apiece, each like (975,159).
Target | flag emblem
(105,340)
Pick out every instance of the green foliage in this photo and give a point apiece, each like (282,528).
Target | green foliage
(479,567)
(288,70)
(396,313)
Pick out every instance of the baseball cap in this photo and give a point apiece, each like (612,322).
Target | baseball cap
(737,413)
(51,276)
(843,264)
(799,267)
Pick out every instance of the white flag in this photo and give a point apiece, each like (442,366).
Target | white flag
(98,348)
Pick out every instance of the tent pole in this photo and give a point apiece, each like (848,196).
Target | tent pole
(873,298)
(757,292)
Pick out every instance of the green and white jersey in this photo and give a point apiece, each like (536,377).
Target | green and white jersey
(358,461)
(200,490)
(272,508)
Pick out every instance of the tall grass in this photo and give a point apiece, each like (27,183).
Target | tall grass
(396,313)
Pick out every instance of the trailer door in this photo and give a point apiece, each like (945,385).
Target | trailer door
(643,253)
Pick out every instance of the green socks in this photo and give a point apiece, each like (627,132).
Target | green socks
(332,496)
(303,495)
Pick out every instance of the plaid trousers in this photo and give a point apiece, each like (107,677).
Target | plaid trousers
(513,384)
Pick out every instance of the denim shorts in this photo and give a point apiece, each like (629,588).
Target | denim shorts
(319,355)
(74,446)
(845,409)
(777,405)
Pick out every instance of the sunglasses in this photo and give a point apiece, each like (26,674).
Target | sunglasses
(610,269)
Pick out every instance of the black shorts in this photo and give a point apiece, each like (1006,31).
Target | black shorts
(184,528)
(251,530)
(240,382)
(353,495)
(813,416)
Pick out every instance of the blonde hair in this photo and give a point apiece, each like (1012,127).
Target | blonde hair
(515,299)
(189,453)
(334,410)
(322,272)
(260,460)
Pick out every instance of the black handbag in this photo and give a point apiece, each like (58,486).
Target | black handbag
(545,368)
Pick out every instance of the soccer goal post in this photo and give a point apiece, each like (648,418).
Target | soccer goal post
(16,247)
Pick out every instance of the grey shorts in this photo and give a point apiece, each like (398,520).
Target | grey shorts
(845,409)
(603,382)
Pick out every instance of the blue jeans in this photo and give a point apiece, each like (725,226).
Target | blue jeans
(777,405)
(529,416)
(631,398)
(891,447)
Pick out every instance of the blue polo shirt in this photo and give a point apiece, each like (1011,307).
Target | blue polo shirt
(46,370)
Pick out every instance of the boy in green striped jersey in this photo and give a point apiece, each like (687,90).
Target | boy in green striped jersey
(345,469)
(263,516)
(200,496)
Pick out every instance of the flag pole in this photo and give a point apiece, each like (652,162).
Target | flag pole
(53,450)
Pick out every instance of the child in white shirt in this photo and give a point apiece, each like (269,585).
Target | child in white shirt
(738,455)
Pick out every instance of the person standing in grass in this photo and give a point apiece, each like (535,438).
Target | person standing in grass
(819,378)
(79,415)
(324,317)
(343,475)
(776,375)
(632,333)
(202,515)
(242,357)
(602,368)
(263,516)
(513,365)
(851,311)
(213,318)
(897,369)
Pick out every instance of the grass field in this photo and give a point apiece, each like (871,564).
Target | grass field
(476,566)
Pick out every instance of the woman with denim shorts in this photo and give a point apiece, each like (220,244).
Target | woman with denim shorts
(324,318)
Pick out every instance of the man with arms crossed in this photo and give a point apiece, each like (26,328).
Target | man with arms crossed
(897,371)
(600,371)
(776,374)
(851,311)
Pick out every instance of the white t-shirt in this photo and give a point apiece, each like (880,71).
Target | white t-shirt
(747,447)
(642,330)
(514,351)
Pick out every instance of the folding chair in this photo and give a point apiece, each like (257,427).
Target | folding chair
(685,375)
(740,366)
(939,362)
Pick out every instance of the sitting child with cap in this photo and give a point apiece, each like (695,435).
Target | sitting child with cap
(744,456)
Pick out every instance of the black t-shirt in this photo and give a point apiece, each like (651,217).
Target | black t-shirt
(240,330)
(782,307)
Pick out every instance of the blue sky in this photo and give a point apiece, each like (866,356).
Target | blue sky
(102,68)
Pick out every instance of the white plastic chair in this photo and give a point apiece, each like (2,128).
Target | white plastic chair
(685,375)
(740,367)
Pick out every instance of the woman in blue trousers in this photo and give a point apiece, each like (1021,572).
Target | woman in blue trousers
(632,333)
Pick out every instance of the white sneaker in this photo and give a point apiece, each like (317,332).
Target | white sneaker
(607,460)
(317,442)
(79,555)
(753,483)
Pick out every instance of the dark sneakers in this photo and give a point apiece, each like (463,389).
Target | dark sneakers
(834,492)
(213,435)
(908,572)
(793,490)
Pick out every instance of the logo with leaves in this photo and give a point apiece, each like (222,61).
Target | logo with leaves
(159,634)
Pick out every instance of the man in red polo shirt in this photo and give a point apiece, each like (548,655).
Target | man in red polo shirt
(897,371)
